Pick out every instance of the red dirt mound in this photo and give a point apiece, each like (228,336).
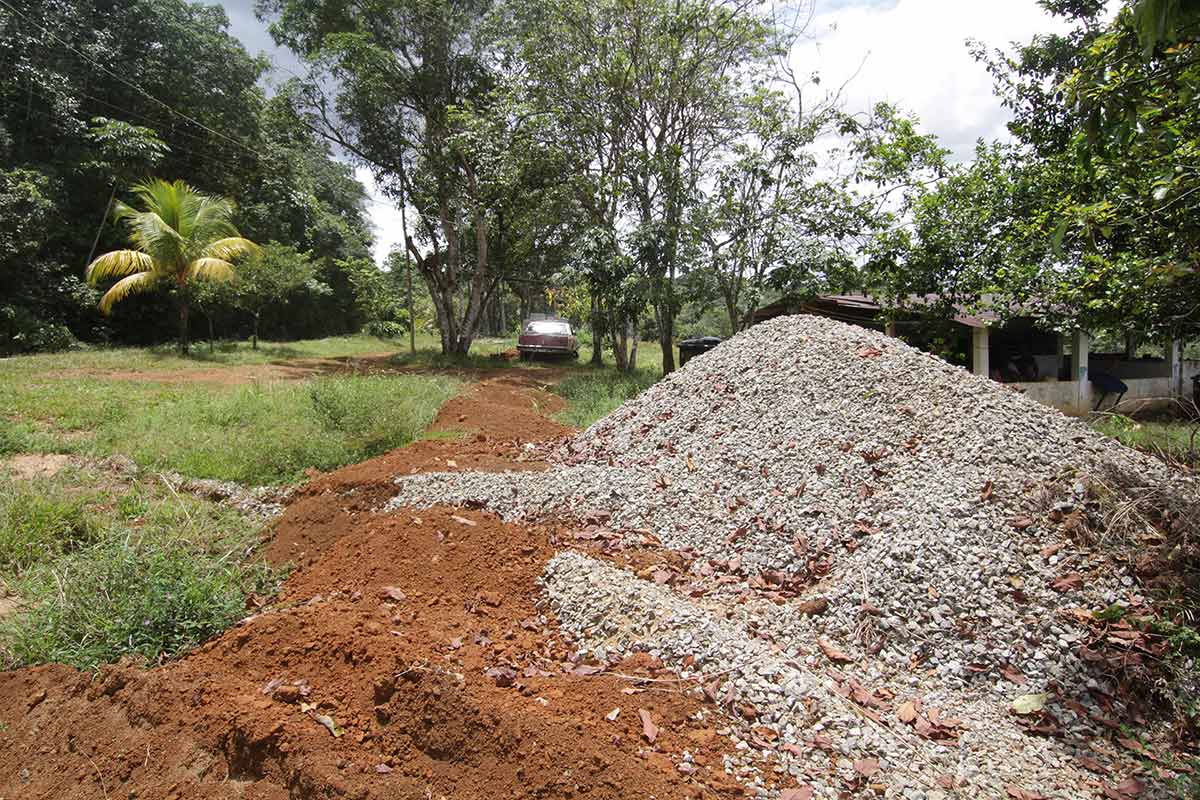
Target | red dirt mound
(409,658)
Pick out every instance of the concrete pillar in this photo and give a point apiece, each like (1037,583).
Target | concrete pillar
(890,328)
(1174,351)
(979,351)
(1080,342)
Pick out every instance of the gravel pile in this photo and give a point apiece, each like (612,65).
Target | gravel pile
(909,508)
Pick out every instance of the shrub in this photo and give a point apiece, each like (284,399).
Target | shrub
(38,522)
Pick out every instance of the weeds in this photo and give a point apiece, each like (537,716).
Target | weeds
(122,571)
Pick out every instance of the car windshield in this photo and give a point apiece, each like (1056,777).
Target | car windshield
(548,326)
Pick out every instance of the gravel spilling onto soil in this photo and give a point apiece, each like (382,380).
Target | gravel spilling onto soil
(832,485)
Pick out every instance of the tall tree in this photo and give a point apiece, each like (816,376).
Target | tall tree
(399,68)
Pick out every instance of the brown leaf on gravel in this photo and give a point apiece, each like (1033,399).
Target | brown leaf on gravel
(1069,582)
(866,766)
(1087,762)
(1017,793)
(985,493)
(832,652)
(649,729)
(946,781)
(661,576)
(870,351)
(1013,674)
(392,593)
(821,741)
(810,608)
(799,793)
(907,712)
(1021,523)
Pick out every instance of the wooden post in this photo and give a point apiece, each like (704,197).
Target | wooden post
(979,351)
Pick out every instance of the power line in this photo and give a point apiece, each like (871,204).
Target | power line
(128,83)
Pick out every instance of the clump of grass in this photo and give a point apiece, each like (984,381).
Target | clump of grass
(156,574)
(38,521)
(594,393)
(1174,440)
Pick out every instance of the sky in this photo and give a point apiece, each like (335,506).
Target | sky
(912,53)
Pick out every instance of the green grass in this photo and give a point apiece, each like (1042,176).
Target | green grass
(1169,438)
(107,570)
(166,357)
(255,434)
(594,393)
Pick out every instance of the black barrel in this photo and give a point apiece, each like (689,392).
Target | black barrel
(694,347)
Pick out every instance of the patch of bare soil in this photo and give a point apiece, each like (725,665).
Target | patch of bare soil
(27,466)
(408,657)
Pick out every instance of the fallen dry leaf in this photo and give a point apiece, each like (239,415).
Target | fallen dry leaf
(799,793)
(1030,703)
(329,724)
(463,520)
(1017,793)
(907,712)
(649,729)
(1013,674)
(612,715)
(866,766)
(832,652)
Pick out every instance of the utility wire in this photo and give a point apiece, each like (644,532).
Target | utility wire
(128,83)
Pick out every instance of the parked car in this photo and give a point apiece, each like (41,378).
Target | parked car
(547,337)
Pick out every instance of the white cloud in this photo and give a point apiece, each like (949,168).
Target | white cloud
(916,57)
(384,215)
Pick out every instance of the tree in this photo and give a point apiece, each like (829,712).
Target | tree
(400,68)
(269,277)
(180,236)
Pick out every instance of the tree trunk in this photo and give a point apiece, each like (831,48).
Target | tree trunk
(597,334)
(211,335)
(633,344)
(183,328)
(618,331)
(100,228)
(666,337)
(254,334)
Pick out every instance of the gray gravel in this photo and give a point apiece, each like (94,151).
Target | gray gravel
(839,463)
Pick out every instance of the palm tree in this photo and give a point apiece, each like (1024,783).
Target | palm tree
(182,236)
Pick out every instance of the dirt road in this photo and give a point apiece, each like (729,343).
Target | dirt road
(407,657)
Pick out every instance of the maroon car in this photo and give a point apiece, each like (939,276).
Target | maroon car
(547,337)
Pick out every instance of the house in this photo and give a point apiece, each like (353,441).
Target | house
(1057,370)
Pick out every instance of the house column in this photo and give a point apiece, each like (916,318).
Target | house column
(1174,351)
(979,351)
(890,328)
(1080,342)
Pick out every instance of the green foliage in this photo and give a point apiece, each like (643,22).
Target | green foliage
(594,393)
(270,277)
(122,571)
(84,114)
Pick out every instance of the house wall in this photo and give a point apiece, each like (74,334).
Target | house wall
(1144,394)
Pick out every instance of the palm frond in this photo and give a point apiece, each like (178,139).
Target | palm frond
(154,235)
(210,269)
(118,263)
(141,282)
(230,247)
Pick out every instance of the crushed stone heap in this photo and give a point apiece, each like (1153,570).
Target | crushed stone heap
(839,492)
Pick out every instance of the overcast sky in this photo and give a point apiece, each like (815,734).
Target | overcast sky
(912,53)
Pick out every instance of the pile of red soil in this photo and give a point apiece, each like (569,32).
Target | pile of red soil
(407,658)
